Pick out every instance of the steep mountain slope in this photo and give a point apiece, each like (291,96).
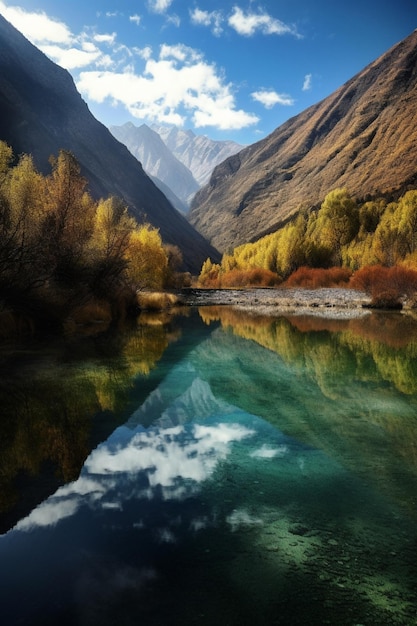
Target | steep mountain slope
(363,137)
(41,112)
(157,159)
(198,153)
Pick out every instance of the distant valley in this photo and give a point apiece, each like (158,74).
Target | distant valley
(178,161)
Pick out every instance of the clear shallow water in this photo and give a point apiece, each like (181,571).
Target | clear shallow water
(223,470)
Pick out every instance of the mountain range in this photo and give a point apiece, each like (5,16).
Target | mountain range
(362,137)
(175,158)
(41,112)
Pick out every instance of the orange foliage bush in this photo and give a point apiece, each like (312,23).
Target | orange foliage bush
(314,278)
(387,286)
(256,277)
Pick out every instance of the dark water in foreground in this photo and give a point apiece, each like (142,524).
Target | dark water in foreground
(212,469)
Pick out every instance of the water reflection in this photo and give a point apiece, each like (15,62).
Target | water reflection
(261,471)
(342,386)
(58,401)
(167,463)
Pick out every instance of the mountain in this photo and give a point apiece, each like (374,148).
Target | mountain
(179,204)
(41,112)
(197,152)
(158,161)
(174,157)
(363,137)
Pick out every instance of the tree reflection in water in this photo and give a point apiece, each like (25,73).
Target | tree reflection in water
(254,470)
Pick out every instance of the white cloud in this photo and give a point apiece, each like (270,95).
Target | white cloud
(144,53)
(135,19)
(159,6)
(109,39)
(307,84)
(177,85)
(212,19)
(71,58)
(270,98)
(247,24)
(56,40)
(37,26)
(174,19)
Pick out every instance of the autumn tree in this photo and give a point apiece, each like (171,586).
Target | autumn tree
(174,277)
(147,260)
(407,222)
(69,223)
(21,215)
(209,275)
(291,253)
(112,227)
(337,222)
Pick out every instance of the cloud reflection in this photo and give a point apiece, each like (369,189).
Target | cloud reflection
(267,452)
(241,518)
(159,462)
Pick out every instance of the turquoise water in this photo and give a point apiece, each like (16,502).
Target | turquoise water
(224,470)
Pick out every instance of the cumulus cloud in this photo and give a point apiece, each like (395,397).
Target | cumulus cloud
(135,19)
(159,6)
(178,84)
(107,38)
(307,84)
(72,58)
(37,26)
(248,24)
(173,85)
(270,98)
(57,41)
(212,19)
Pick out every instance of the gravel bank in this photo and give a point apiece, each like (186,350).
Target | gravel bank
(327,302)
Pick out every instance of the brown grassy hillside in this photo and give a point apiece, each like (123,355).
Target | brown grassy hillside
(363,137)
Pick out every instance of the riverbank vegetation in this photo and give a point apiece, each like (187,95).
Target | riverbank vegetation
(67,259)
(370,245)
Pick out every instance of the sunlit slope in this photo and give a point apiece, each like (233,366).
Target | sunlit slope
(363,137)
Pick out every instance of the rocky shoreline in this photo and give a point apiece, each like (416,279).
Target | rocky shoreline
(326,302)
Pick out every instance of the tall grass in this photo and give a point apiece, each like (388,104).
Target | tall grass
(156,300)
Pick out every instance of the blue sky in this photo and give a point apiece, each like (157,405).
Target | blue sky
(229,70)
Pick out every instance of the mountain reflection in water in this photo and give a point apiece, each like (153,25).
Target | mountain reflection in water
(258,471)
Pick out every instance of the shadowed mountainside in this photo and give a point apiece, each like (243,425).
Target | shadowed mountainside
(157,160)
(41,112)
(363,137)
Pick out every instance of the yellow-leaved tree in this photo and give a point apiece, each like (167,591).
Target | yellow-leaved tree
(147,260)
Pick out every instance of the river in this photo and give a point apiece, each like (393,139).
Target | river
(212,467)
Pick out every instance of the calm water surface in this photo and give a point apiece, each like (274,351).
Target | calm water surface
(214,468)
